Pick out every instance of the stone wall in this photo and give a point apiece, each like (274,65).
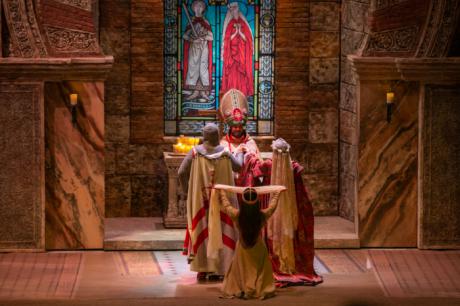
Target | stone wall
(306,95)
(321,146)
(116,40)
(353,32)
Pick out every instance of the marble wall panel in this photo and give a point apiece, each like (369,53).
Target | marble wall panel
(323,193)
(321,158)
(324,70)
(348,196)
(324,16)
(350,40)
(118,196)
(75,166)
(348,97)
(22,197)
(353,32)
(149,195)
(387,167)
(323,96)
(324,44)
(348,127)
(440,199)
(117,128)
(354,15)
(110,152)
(349,153)
(347,75)
(322,126)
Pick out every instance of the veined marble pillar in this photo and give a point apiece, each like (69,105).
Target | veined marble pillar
(74,166)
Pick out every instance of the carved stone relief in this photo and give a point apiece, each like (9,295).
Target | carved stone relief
(400,40)
(25,37)
(83,4)
(426,32)
(67,40)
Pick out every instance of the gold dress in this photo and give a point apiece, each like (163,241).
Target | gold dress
(250,274)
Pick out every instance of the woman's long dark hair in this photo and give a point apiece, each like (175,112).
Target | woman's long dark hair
(251,221)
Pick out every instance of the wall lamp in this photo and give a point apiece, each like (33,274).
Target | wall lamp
(391,87)
(73,107)
(390,104)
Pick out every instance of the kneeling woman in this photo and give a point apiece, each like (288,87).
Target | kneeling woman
(250,274)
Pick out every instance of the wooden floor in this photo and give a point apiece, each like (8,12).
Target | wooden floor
(146,274)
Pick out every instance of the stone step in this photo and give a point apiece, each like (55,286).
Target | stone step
(149,234)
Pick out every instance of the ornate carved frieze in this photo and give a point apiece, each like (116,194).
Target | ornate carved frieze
(407,28)
(83,4)
(25,37)
(399,40)
(67,40)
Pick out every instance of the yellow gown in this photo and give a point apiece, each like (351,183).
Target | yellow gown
(250,273)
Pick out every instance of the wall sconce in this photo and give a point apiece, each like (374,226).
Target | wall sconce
(73,107)
(390,104)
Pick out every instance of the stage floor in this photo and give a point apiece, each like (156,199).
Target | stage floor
(149,234)
(367,275)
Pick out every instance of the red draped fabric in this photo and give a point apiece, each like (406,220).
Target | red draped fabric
(256,173)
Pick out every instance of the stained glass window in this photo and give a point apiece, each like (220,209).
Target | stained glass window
(212,46)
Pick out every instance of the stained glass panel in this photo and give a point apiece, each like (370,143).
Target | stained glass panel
(212,46)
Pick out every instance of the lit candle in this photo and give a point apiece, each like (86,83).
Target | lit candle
(390,97)
(73,99)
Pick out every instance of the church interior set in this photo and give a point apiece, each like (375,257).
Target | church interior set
(101,100)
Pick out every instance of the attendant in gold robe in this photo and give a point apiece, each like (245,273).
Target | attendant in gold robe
(205,165)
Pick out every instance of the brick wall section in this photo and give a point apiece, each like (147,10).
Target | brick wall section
(147,71)
(291,70)
(147,169)
(354,29)
(116,40)
(132,31)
